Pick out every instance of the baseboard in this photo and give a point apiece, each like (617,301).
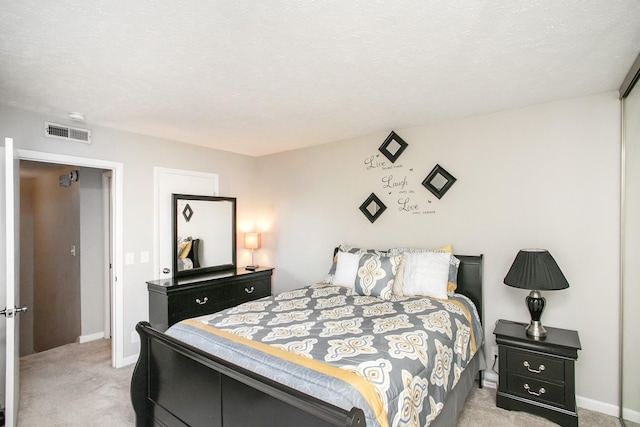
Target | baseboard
(596,405)
(130,360)
(631,415)
(489,379)
(91,337)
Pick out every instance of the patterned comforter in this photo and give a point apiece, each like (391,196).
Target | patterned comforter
(395,359)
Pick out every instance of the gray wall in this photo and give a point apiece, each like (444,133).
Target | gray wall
(139,155)
(92,256)
(545,176)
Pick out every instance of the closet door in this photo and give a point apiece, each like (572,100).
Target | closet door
(630,238)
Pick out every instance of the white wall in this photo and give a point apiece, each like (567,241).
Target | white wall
(139,155)
(544,176)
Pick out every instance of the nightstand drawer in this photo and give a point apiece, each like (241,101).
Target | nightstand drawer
(534,389)
(535,366)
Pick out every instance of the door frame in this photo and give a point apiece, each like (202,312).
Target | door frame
(107,200)
(117,249)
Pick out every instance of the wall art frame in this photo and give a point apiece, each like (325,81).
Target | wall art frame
(372,208)
(393,146)
(439,181)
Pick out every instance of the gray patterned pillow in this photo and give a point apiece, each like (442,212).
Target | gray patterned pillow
(376,273)
(352,250)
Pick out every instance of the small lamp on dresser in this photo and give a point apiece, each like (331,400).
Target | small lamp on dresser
(536,270)
(252,241)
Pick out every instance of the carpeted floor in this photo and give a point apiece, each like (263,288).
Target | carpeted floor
(75,385)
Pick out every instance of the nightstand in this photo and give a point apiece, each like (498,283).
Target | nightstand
(537,376)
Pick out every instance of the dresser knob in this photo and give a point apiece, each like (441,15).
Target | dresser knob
(540,368)
(204,300)
(249,290)
(540,392)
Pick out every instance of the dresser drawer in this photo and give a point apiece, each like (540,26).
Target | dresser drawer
(535,366)
(535,389)
(250,289)
(198,302)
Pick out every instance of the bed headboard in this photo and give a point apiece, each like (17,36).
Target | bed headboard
(470,280)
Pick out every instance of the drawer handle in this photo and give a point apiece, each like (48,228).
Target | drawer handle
(540,368)
(540,392)
(204,300)
(249,290)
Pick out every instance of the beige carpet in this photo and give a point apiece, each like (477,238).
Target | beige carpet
(74,385)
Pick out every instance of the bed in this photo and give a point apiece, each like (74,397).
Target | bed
(178,381)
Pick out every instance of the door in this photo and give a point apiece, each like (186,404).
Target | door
(174,181)
(9,217)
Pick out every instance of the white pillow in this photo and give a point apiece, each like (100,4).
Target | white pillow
(426,274)
(346,269)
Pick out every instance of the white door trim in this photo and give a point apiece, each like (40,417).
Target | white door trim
(117,213)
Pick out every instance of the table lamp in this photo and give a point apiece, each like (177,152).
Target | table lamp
(535,269)
(252,241)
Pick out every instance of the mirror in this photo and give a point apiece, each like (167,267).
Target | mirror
(372,208)
(393,146)
(204,233)
(438,181)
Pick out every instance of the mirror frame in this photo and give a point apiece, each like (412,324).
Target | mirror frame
(174,228)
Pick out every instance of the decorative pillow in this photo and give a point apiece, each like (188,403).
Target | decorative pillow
(453,269)
(376,273)
(350,249)
(452,281)
(426,274)
(395,251)
(184,246)
(346,269)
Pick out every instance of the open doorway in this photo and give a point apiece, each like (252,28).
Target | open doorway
(115,234)
(64,259)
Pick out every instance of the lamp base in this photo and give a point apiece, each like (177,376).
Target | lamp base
(536,330)
(535,304)
(251,267)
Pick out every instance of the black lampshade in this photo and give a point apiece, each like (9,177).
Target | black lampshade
(535,269)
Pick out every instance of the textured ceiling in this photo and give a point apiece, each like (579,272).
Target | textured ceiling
(259,77)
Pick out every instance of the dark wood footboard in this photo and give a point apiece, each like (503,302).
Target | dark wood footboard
(175,384)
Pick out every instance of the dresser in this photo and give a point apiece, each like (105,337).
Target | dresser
(537,376)
(174,299)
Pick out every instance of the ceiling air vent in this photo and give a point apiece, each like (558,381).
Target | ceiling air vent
(53,130)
